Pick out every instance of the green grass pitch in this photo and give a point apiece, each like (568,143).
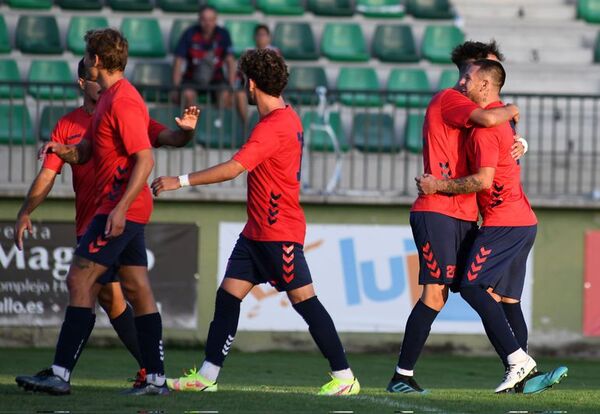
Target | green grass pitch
(287,382)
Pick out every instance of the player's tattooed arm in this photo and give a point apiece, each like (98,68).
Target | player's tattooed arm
(482,180)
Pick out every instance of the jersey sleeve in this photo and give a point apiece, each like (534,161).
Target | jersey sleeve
(154,130)
(487,147)
(456,109)
(52,161)
(262,145)
(130,118)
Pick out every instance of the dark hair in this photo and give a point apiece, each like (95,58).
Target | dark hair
(81,72)
(471,50)
(492,68)
(206,7)
(266,68)
(260,27)
(110,46)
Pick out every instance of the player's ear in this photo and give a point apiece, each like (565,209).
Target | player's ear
(81,83)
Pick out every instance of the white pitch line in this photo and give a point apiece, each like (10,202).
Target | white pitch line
(404,405)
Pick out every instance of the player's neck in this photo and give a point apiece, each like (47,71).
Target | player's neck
(269,104)
(88,105)
(107,79)
(489,99)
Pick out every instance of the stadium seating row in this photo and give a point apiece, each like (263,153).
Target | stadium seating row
(147,75)
(372,132)
(424,9)
(343,42)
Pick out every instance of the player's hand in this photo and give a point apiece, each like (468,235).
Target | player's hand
(49,148)
(517,150)
(188,120)
(23,223)
(161,184)
(515,110)
(426,184)
(115,223)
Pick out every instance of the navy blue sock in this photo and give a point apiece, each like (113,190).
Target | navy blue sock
(323,331)
(496,344)
(223,327)
(493,318)
(416,332)
(516,320)
(124,326)
(149,333)
(74,333)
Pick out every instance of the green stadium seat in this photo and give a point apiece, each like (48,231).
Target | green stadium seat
(318,138)
(438,42)
(9,72)
(295,41)
(331,7)
(49,72)
(78,26)
(4,39)
(30,4)
(281,7)
(589,10)
(38,35)
(50,116)
(430,9)
(80,4)
(16,125)
(304,80)
(392,9)
(448,79)
(144,37)
(597,49)
(242,35)
(131,5)
(357,80)
(232,6)
(394,43)
(219,128)
(344,42)
(154,75)
(178,6)
(413,133)
(179,26)
(404,81)
(374,132)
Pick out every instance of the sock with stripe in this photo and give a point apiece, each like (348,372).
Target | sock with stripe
(223,327)
(516,320)
(149,333)
(124,326)
(323,331)
(416,333)
(74,333)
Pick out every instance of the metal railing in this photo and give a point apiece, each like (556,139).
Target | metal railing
(359,145)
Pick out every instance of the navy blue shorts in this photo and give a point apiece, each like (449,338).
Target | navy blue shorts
(443,243)
(498,259)
(110,276)
(281,264)
(129,249)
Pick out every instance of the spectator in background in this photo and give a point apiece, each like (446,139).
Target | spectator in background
(262,40)
(207,52)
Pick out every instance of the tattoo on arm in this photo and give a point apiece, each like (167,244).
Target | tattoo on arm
(463,185)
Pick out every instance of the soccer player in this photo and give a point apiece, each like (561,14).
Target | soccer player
(270,248)
(444,225)
(495,270)
(121,150)
(70,129)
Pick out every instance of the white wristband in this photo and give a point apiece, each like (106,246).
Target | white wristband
(184,180)
(523,142)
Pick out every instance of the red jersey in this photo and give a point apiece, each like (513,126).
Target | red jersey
(120,129)
(443,153)
(69,130)
(505,203)
(273,155)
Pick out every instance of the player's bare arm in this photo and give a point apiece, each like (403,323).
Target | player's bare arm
(144,162)
(72,154)
(482,180)
(37,193)
(187,125)
(495,116)
(225,171)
